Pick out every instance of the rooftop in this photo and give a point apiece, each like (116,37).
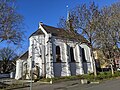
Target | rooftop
(59,32)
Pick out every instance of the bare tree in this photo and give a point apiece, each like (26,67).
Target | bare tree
(10,22)
(101,27)
(82,20)
(108,32)
(7,57)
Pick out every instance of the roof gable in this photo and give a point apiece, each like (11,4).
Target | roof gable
(59,32)
(24,56)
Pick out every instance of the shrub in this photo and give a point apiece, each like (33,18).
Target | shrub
(89,77)
(117,74)
(104,75)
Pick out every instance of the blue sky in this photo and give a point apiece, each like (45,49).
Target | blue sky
(48,12)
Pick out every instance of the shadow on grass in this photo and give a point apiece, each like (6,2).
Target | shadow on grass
(4,86)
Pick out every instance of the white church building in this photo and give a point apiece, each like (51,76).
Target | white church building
(54,52)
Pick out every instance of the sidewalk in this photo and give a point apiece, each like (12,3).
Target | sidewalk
(64,85)
(56,86)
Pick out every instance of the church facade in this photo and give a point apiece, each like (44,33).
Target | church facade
(55,52)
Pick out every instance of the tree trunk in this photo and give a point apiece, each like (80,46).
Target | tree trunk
(94,67)
(111,66)
(94,64)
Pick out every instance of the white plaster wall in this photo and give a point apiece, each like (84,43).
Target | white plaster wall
(42,50)
(60,69)
(40,53)
(88,57)
(47,50)
(36,52)
(19,69)
(49,61)
(66,68)
(78,60)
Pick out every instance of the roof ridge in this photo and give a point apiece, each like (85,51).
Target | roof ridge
(52,26)
(60,32)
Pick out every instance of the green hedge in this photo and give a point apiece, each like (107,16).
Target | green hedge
(89,77)
(104,75)
(101,76)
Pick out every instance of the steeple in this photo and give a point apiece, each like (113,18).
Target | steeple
(68,14)
(69,21)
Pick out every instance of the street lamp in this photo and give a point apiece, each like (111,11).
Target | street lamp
(32,65)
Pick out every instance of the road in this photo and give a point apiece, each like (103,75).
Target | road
(106,85)
(75,85)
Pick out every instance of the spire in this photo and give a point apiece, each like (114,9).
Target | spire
(69,21)
(68,14)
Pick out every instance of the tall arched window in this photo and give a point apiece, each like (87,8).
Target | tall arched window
(72,55)
(58,57)
(83,55)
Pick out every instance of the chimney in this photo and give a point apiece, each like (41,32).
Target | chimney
(40,23)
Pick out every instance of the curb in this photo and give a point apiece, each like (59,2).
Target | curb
(94,82)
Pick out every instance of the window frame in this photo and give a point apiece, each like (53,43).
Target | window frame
(72,58)
(58,54)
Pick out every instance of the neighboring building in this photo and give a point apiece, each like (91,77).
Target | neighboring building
(117,62)
(96,53)
(55,52)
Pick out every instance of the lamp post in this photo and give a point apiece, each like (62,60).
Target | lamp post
(31,76)
(32,59)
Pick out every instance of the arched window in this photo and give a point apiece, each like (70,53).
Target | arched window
(72,55)
(58,57)
(83,55)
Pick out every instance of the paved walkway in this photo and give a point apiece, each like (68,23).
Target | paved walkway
(76,85)
(56,86)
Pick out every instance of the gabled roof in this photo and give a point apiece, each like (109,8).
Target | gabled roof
(59,32)
(24,56)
